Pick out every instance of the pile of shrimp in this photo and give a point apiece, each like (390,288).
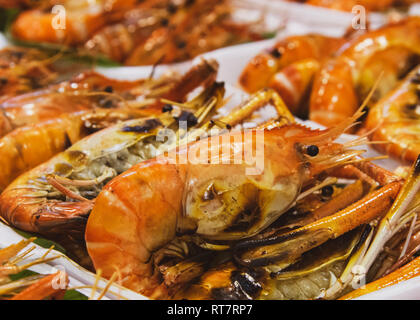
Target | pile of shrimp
(150,184)
(134,32)
(325,79)
(281,227)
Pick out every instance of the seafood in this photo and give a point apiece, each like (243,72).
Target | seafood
(408,271)
(43,288)
(71,96)
(32,287)
(42,201)
(306,280)
(64,114)
(334,95)
(23,70)
(149,32)
(201,27)
(271,274)
(404,208)
(289,67)
(55,198)
(195,200)
(81,20)
(397,119)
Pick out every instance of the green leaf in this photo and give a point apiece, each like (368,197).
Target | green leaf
(23,274)
(66,53)
(6,18)
(269,35)
(74,295)
(41,241)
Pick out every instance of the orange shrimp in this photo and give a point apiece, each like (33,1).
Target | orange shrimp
(397,119)
(293,83)
(289,68)
(81,20)
(334,95)
(137,218)
(70,96)
(44,288)
(261,69)
(197,28)
(54,198)
(28,146)
(63,118)
(391,65)
(22,70)
(134,33)
(117,41)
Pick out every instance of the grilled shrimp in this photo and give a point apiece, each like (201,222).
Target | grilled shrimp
(53,197)
(85,92)
(117,41)
(141,23)
(263,67)
(169,34)
(33,287)
(57,196)
(397,119)
(306,280)
(87,104)
(23,70)
(81,20)
(289,68)
(334,96)
(139,220)
(134,33)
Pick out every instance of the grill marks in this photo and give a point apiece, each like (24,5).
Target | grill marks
(244,286)
(148,126)
(412,110)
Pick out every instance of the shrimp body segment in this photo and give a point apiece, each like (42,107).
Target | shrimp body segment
(334,96)
(263,67)
(398,118)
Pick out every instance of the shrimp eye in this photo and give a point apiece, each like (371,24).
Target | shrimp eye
(327,191)
(276,53)
(312,150)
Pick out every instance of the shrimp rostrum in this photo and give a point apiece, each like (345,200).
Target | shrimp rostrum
(161,210)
